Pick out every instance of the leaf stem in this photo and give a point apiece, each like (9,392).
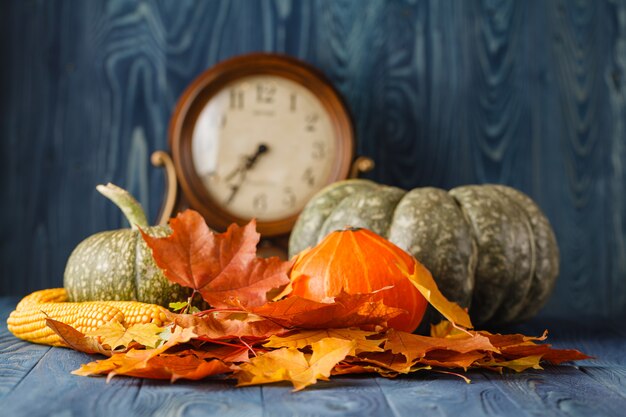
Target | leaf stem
(248,346)
(189,301)
(219,310)
(208,339)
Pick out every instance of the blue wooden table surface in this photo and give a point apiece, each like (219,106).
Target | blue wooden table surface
(36,381)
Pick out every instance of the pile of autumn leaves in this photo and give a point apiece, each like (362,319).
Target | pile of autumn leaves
(258,336)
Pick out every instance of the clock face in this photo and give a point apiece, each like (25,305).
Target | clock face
(263,146)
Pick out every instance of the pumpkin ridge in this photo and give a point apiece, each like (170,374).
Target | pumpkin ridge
(386,245)
(515,312)
(359,254)
(393,214)
(546,252)
(137,266)
(328,265)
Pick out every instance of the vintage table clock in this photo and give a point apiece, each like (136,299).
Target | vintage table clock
(256,136)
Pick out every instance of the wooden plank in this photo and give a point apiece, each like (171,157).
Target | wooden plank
(616,208)
(17,358)
(578,153)
(600,339)
(611,376)
(602,379)
(559,391)
(346,396)
(429,393)
(208,398)
(51,389)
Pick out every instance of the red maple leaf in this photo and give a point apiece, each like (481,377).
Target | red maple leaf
(222,267)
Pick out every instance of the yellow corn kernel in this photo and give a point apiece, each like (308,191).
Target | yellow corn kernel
(136,312)
(28,321)
(51,295)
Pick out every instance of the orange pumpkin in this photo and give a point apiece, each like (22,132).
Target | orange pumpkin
(359,261)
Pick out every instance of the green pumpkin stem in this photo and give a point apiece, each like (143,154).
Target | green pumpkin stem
(126,202)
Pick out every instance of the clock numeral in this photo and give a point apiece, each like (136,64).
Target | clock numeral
(311,122)
(319,150)
(236,99)
(223,122)
(265,93)
(290,198)
(293,102)
(260,202)
(308,177)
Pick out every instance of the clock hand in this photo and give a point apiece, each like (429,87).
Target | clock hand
(233,193)
(250,161)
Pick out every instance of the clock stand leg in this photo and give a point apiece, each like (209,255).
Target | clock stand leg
(361,165)
(172,202)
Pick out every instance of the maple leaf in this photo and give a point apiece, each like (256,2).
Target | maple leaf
(352,368)
(134,361)
(517,365)
(223,268)
(290,364)
(75,339)
(506,340)
(222,325)
(115,334)
(422,279)
(230,354)
(161,366)
(385,363)
(347,310)
(414,346)
(303,338)
(186,367)
(451,359)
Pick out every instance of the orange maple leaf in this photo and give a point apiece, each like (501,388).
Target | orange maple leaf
(160,366)
(77,340)
(347,310)
(134,361)
(414,346)
(224,325)
(223,267)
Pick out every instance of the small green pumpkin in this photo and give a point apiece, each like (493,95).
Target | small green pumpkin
(489,247)
(117,264)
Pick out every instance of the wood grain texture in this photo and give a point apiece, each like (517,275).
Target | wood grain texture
(348,396)
(596,387)
(443,93)
(23,356)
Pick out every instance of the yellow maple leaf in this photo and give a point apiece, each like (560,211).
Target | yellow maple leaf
(422,279)
(517,365)
(290,364)
(115,334)
(304,338)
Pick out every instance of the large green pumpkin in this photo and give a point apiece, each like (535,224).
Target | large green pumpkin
(489,247)
(117,264)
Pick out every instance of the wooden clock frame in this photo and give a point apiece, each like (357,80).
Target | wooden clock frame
(207,85)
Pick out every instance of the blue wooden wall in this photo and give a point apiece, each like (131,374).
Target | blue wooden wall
(530,93)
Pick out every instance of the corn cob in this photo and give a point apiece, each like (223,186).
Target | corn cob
(28,321)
